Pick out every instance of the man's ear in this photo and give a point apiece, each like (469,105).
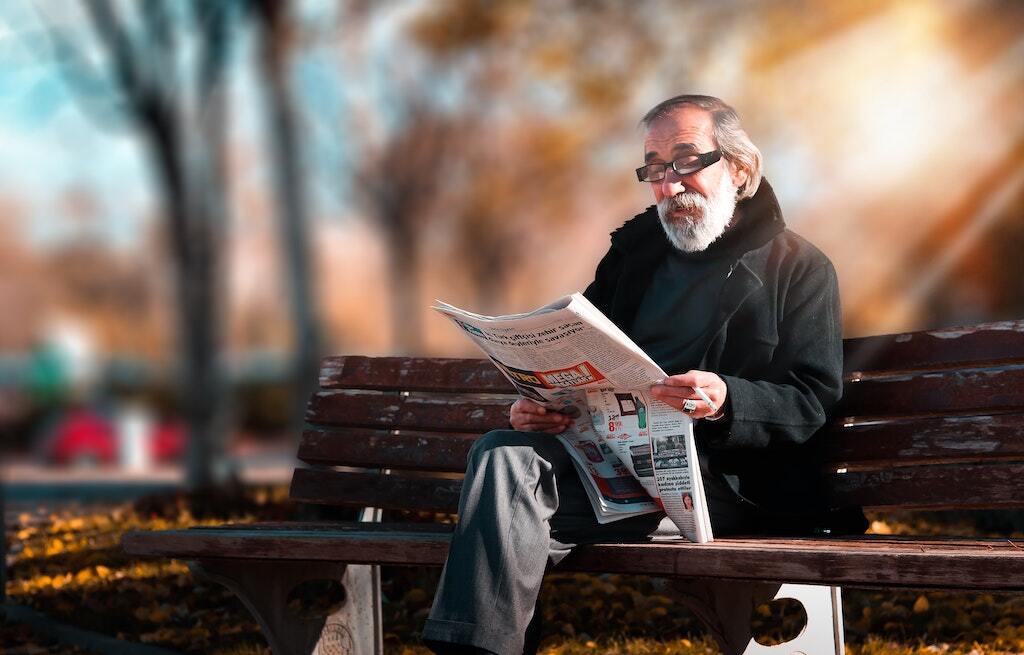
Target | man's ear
(739,176)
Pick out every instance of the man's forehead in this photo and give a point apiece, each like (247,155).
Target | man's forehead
(685,128)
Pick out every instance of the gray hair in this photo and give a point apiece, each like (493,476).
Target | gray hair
(736,146)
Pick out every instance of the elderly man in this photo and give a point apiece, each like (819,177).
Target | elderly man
(711,284)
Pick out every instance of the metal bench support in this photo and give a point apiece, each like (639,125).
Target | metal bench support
(824,630)
(263,586)
(355,628)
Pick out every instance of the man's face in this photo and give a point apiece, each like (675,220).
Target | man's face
(695,208)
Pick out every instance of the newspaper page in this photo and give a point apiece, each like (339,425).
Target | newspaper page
(634,453)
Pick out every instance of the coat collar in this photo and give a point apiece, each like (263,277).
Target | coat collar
(643,246)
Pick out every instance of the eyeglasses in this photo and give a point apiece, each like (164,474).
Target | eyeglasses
(682,166)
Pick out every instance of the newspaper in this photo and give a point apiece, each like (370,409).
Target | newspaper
(634,453)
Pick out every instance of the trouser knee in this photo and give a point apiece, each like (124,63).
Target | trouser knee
(507,445)
(493,440)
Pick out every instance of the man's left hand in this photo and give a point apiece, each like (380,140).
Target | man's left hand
(677,389)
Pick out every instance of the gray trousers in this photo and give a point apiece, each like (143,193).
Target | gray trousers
(523,506)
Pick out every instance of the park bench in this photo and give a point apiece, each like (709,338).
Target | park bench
(930,420)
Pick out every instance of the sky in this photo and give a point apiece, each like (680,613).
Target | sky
(44,133)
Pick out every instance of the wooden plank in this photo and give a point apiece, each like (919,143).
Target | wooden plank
(830,564)
(957,486)
(912,442)
(989,342)
(985,391)
(352,489)
(985,343)
(995,565)
(336,527)
(427,451)
(350,546)
(942,486)
(397,411)
(413,374)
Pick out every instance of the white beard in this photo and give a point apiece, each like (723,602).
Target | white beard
(705,221)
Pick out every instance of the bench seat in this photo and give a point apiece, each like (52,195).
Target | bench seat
(868,561)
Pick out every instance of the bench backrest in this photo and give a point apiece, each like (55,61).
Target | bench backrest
(930,420)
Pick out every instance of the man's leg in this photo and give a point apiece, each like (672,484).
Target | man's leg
(500,547)
(726,607)
(522,505)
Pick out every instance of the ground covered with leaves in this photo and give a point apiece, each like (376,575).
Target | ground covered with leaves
(69,566)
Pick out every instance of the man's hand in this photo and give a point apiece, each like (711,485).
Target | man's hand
(528,416)
(676,389)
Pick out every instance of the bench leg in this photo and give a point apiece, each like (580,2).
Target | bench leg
(263,586)
(824,630)
(724,606)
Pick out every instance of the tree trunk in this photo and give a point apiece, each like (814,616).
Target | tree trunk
(185,143)
(292,211)
(405,299)
(193,255)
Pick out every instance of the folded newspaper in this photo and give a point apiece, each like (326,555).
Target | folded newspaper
(634,453)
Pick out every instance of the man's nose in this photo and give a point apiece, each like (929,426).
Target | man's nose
(672,183)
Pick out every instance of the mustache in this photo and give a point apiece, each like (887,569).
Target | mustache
(686,200)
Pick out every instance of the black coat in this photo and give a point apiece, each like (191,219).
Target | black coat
(777,344)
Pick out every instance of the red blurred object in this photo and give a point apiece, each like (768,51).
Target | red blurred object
(84,436)
(168,442)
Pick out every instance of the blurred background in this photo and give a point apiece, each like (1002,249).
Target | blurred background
(201,199)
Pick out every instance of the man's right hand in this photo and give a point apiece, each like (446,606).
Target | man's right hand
(528,416)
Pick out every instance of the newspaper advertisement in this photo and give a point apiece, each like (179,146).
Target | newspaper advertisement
(634,453)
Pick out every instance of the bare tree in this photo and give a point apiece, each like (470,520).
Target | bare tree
(178,105)
(398,181)
(275,33)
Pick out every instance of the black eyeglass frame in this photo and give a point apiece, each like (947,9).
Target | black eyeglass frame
(704,160)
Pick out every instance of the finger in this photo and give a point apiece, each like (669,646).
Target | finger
(671,392)
(531,410)
(688,379)
(545,422)
(675,402)
(694,378)
(705,379)
(552,417)
(532,404)
(700,410)
(680,393)
(541,427)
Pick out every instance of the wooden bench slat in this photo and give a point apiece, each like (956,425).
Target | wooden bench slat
(990,342)
(395,411)
(927,394)
(986,343)
(875,541)
(336,527)
(996,565)
(427,451)
(956,486)
(902,442)
(994,485)
(356,489)
(912,442)
(413,374)
(984,391)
